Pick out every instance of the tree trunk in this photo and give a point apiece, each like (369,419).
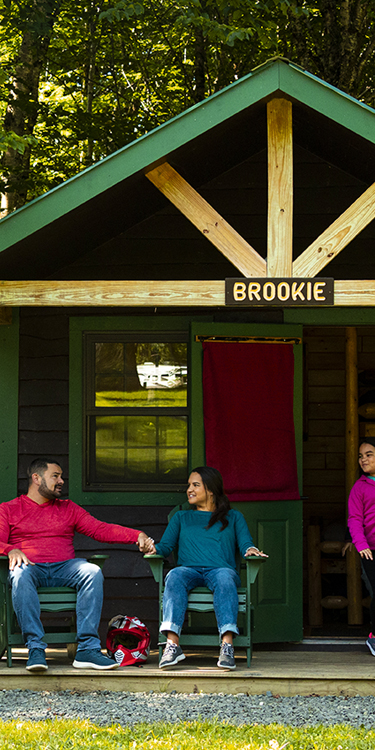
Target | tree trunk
(23,101)
(200,64)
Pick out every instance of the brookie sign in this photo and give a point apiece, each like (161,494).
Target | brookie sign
(288,292)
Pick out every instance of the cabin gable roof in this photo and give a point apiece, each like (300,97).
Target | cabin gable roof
(105,200)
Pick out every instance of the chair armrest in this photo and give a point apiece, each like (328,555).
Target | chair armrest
(4,568)
(98,560)
(253,564)
(156,563)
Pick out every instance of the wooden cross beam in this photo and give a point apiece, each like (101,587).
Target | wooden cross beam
(280,188)
(207,220)
(337,236)
(149,293)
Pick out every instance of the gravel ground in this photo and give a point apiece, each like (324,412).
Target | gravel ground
(106,707)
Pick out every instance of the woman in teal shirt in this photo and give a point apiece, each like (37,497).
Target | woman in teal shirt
(207,542)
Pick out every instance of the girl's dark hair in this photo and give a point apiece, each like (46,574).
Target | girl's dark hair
(213,482)
(369,440)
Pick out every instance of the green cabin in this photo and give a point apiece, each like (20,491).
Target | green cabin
(113,284)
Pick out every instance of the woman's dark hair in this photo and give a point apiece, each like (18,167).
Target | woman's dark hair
(213,482)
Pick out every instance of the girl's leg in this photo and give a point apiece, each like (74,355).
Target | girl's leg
(369,568)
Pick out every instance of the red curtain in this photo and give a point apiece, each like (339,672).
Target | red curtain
(248,419)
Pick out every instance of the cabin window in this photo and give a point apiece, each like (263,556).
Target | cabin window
(136,416)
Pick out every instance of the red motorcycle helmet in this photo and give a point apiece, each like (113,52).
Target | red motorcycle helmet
(128,640)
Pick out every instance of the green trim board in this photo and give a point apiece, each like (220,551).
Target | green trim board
(276,76)
(9,363)
(107,323)
(197,453)
(334,316)
(328,100)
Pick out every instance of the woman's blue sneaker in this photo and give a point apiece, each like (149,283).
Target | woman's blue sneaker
(37,660)
(92,658)
(371,643)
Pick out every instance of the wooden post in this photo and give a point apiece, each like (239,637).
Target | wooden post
(353,570)
(280,188)
(315,578)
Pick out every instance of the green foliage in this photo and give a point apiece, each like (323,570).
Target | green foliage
(18,143)
(66,735)
(122,10)
(113,70)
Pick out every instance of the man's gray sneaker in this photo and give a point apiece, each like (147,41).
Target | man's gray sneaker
(171,656)
(226,658)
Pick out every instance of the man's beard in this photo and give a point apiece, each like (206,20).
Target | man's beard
(45,492)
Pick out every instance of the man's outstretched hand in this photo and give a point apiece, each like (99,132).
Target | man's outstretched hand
(17,557)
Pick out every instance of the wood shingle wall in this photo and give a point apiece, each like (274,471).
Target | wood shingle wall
(324,420)
(43,430)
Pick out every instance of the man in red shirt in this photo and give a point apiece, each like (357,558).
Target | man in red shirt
(36,532)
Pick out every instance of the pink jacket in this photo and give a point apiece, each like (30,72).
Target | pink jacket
(361,519)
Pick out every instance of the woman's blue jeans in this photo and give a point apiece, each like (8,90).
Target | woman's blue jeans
(79,574)
(223,582)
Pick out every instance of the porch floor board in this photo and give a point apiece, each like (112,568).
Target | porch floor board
(282,670)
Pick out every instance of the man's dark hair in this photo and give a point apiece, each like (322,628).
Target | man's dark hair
(39,466)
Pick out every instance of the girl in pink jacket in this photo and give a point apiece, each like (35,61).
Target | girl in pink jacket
(361,521)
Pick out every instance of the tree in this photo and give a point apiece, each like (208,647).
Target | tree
(32,27)
(81,79)
(336,41)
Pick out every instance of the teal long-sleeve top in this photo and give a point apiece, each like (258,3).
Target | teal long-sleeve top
(199,547)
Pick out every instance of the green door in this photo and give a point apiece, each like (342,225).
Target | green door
(275,526)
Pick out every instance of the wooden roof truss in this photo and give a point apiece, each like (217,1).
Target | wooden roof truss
(214,227)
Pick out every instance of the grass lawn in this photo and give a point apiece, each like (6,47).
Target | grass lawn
(65,735)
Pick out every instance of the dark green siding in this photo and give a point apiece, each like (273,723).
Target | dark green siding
(9,407)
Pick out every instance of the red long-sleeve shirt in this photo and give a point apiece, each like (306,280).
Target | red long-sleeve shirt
(45,532)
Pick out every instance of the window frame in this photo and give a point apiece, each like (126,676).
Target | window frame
(90,411)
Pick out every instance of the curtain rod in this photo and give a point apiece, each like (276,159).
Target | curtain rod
(249,339)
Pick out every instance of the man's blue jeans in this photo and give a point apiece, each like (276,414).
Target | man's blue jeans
(79,574)
(223,582)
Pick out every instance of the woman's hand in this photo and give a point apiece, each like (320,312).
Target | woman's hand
(366,553)
(253,551)
(146,544)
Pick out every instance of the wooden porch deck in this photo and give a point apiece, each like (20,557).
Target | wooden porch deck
(332,669)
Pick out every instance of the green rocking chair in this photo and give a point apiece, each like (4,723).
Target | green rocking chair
(52,599)
(200,603)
